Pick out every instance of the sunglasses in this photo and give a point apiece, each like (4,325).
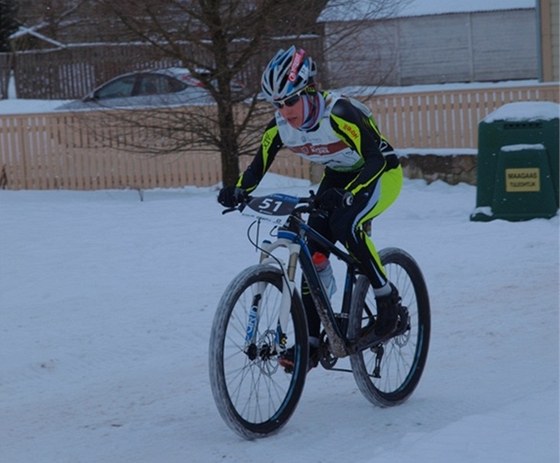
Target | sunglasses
(289,102)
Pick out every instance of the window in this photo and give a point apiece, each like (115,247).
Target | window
(152,84)
(119,88)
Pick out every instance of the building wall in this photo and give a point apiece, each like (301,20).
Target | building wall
(365,57)
(464,47)
(555,39)
(505,45)
(549,40)
(434,49)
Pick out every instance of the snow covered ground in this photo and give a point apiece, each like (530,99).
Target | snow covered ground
(106,304)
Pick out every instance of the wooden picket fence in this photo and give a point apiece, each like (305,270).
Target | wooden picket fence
(60,150)
(84,151)
(447,119)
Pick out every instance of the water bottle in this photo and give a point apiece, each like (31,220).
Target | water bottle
(324,269)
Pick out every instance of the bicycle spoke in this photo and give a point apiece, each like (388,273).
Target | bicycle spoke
(390,378)
(254,395)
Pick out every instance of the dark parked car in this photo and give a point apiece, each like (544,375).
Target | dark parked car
(149,88)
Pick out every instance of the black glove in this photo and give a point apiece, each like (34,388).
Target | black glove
(231,196)
(334,198)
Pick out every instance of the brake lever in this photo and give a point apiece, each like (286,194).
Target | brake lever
(240,206)
(307,205)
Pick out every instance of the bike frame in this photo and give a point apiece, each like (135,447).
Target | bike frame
(263,300)
(293,237)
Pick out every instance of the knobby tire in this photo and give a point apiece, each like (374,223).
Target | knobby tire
(253,393)
(404,355)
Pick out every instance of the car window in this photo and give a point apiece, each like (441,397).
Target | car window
(152,84)
(118,88)
(175,85)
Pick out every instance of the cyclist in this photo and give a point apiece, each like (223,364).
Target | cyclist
(362,175)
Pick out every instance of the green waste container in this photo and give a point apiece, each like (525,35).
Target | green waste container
(518,163)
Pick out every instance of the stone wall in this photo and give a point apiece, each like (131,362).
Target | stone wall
(452,167)
(431,165)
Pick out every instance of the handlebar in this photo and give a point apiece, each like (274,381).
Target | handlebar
(305,204)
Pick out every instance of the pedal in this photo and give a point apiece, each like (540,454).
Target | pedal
(286,365)
(326,359)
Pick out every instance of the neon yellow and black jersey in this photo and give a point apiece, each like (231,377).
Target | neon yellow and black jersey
(346,139)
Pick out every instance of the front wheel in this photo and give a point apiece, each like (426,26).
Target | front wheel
(388,373)
(253,393)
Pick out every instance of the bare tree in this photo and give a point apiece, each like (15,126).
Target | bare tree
(8,23)
(219,41)
(49,15)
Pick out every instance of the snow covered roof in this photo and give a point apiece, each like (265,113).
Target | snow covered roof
(431,7)
(33,31)
(340,10)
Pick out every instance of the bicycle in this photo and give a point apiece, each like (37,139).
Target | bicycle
(261,315)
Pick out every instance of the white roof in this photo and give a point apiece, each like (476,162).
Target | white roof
(32,31)
(341,10)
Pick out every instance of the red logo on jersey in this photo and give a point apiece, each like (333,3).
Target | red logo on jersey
(320,150)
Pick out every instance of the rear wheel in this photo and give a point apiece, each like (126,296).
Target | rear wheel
(253,394)
(388,373)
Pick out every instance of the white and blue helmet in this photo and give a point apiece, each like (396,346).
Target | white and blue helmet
(288,72)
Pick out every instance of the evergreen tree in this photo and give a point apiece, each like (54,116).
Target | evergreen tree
(8,23)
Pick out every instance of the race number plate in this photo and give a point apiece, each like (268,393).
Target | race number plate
(273,208)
